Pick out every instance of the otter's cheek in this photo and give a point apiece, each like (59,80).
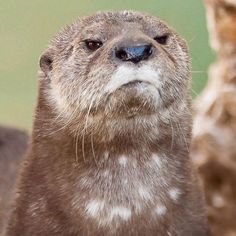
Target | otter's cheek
(55,97)
(59,101)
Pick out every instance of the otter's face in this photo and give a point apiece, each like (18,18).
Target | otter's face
(123,64)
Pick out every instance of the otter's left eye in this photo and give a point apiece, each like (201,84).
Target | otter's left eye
(93,45)
(162,39)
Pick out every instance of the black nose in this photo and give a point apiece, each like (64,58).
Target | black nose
(134,54)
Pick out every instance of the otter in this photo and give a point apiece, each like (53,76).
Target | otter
(13,144)
(109,152)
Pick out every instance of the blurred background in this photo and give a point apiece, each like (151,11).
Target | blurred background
(27,26)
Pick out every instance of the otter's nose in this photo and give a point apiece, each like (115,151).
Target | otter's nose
(134,54)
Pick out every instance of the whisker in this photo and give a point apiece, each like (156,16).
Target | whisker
(172,135)
(183,136)
(194,92)
(94,156)
(199,71)
(85,127)
(192,39)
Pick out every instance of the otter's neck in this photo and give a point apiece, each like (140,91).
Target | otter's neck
(105,178)
(105,184)
(133,173)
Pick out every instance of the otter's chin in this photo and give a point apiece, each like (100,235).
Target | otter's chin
(136,84)
(133,99)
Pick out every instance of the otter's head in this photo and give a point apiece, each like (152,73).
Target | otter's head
(119,66)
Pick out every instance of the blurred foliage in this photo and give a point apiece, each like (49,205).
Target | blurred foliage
(26,27)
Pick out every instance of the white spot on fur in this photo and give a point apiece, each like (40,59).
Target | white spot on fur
(126,74)
(160,210)
(106,155)
(156,160)
(123,160)
(33,209)
(85,181)
(115,213)
(174,194)
(120,211)
(144,193)
(106,173)
(94,207)
(134,163)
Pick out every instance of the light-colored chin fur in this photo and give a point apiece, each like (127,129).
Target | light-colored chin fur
(126,74)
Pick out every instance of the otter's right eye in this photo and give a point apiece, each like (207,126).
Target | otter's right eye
(93,45)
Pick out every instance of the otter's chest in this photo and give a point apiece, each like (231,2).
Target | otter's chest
(127,191)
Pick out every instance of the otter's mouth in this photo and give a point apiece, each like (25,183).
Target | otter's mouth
(135,83)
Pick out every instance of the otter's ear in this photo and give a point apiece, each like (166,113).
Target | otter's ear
(46,61)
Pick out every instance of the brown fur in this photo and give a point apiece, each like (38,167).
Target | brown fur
(13,145)
(81,132)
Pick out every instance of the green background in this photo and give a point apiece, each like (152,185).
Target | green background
(26,26)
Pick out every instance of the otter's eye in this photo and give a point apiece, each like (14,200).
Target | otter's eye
(93,45)
(162,39)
